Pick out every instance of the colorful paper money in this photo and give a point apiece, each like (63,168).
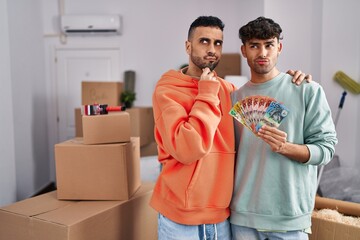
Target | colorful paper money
(255,111)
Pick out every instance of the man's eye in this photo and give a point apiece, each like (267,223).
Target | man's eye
(218,43)
(204,41)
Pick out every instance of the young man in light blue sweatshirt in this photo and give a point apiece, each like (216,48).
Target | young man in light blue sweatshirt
(276,166)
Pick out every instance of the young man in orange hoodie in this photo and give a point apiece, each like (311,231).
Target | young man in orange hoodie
(195,137)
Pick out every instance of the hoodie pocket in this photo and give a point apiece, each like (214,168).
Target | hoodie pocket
(211,184)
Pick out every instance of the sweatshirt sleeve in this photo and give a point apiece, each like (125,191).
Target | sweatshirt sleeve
(186,125)
(319,132)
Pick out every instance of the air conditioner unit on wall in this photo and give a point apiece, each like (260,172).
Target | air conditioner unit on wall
(91,24)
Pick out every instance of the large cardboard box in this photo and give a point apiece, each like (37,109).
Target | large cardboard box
(323,229)
(142,124)
(230,64)
(101,93)
(47,218)
(97,172)
(107,128)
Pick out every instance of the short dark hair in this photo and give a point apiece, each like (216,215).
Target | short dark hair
(260,28)
(205,21)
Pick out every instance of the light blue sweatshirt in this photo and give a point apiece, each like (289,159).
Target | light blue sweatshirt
(272,192)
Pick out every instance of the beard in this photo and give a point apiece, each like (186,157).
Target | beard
(261,70)
(200,63)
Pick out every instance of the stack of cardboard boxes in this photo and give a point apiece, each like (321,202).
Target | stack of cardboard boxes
(141,118)
(99,190)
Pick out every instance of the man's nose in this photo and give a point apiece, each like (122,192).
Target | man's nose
(263,52)
(211,49)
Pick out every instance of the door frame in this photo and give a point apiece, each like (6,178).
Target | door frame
(52,45)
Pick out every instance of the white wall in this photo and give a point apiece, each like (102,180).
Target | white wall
(7,159)
(341,51)
(28,93)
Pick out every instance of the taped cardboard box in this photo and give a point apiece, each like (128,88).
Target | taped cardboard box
(47,218)
(101,92)
(108,128)
(142,124)
(97,172)
(324,229)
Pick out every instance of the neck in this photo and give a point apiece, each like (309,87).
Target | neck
(191,72)
(263,78)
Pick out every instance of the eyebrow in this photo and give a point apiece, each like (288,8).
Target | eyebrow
(208,39)
(256,42)
(204,38)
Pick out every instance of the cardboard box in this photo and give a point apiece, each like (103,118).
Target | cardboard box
(107,128)
(97,172)
(149,150)
(47,218)
(142,124)
(78,123)
(101,93)
(230,64)
(323,229)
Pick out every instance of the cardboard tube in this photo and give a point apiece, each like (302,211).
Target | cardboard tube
(346,208)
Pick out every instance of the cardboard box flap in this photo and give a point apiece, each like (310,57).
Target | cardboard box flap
(37,205)
(77,212)
(81,210)
(80,141)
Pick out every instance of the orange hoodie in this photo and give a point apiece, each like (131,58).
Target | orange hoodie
(195,138)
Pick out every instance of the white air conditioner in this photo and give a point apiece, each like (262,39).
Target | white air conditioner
(91,24)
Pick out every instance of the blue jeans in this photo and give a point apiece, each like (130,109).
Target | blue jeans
(245,233)
(169,230)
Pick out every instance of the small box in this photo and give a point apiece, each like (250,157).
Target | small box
(101,93)
(97,172)
(149,150)
(107,128)
(78,123)
(46,218)
(142,124)
(230,64)
(324,229)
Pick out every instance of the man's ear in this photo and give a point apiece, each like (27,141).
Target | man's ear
(280,48)
(243,52)
(188,47)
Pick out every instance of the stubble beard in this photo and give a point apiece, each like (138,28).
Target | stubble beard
(199,62)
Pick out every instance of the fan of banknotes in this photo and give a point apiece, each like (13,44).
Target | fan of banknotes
(255,111)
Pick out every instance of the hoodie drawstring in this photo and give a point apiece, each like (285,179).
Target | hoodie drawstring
(204,233)
(215,231)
